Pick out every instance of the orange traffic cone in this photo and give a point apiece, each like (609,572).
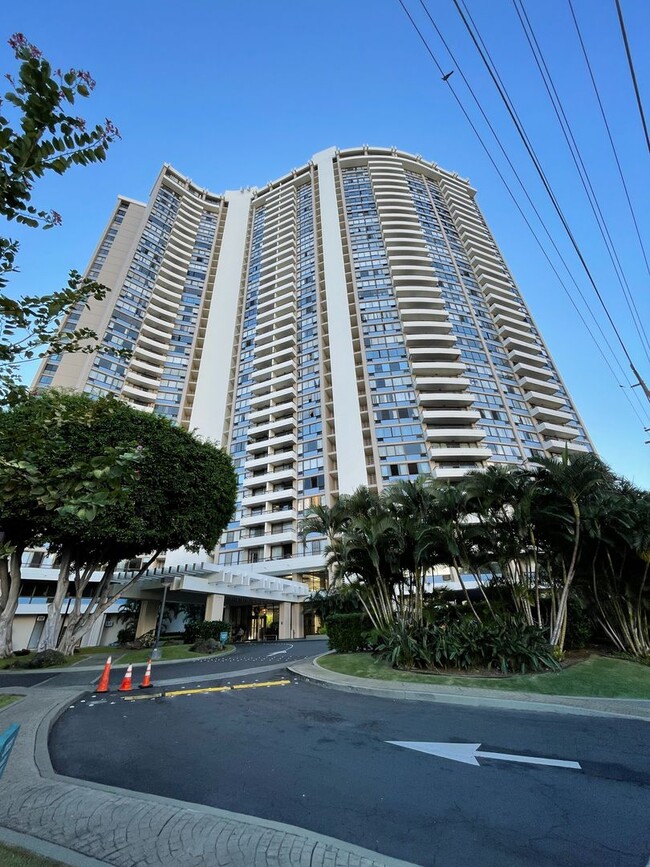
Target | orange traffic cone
(146,681)
(102,686)
(126,685)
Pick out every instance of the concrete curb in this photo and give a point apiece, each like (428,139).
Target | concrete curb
(93,813)
(47,850)
(638,709)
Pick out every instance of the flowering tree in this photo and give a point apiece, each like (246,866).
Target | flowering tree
(39,134)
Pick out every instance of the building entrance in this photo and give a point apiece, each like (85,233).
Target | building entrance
(255,622)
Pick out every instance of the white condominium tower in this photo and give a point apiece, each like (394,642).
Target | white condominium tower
(350,323)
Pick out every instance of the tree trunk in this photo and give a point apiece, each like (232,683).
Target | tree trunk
(77,623)
(51,630)
(559,630)
(10,577)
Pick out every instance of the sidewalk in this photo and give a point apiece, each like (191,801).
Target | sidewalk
(88,825)
(470,697)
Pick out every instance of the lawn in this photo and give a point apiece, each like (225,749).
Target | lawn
(4,701)
(602,677)
(177,651)
(96,655)
(10,857)
(86,656)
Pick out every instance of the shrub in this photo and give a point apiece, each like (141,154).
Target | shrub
(173,642)
(125,635)
(506,644)
(23,652)
(347,632)
(198,630)
(206,645)
(46,659)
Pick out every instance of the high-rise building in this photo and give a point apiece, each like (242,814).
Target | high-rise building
(351,323)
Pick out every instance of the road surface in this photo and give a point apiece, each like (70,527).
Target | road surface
(322,759)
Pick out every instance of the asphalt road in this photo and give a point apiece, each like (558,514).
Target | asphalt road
(320,759)
(244,658)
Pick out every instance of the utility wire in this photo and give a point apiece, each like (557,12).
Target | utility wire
(609,134)
(458,67)
(489,64)
(583,173)
(632,72)
(518,206)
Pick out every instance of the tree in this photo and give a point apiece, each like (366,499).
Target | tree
(183,495)
(39,134)
(568,484)
(35,491)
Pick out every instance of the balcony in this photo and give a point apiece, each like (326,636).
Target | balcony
(455,453)
(269,515)
(271,443)
(268,497)
(444,383)
(426,372)
(543,413)
(557,447)
(453,434)
(271,478)
(540,389)
(557,431)
(451,415)
(451,474)
(268,412)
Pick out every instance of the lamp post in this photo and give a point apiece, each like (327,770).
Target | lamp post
(156,653)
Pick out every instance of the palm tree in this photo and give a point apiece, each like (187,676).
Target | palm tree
(502,500)
(618,526)
(567,485)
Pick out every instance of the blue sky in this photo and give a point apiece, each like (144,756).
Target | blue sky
(237,93)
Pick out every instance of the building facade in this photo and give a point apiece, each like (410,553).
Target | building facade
(351,323)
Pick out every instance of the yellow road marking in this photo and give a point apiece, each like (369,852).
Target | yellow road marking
(205,689)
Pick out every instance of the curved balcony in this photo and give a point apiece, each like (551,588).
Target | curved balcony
(460,452)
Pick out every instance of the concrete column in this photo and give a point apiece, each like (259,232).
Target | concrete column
(298,620)
(148,616)
(350,455)
(285,620)
(214,607)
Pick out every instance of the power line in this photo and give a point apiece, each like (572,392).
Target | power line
(632,72)
(609,135)
(489,64)
(518,206)
(581,168)
(530,201)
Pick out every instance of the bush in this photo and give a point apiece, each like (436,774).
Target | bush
(23,652)
(206,645)
(46,659)
(347,632)
(505,644)
(173,642)
(125,635)
(201,630)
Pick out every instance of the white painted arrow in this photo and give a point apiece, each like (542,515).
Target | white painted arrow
(278,652)
(469,754)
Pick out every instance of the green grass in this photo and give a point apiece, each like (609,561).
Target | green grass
(11,857)
(23,660)
(8,699)
(178,651)
(601,677)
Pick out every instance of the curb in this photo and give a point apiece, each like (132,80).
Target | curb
(534,702)
(47,850)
